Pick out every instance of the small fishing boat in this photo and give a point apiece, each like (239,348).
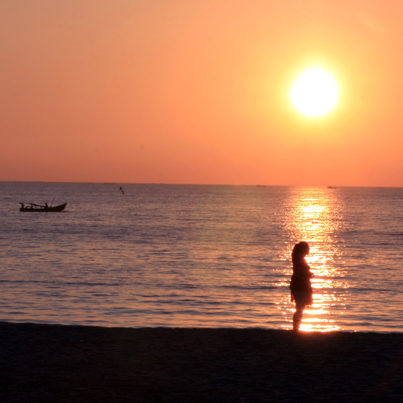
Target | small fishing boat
(42,208)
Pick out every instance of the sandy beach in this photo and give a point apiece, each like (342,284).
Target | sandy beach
(49,363)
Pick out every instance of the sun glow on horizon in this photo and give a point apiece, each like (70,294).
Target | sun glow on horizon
(315,92)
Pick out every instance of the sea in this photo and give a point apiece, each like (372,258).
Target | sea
(156,255)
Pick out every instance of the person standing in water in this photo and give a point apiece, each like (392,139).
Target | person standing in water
(301,289)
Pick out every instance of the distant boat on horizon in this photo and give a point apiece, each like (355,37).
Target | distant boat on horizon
(331,187)
(40,208)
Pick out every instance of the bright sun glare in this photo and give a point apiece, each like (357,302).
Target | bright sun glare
(315,92)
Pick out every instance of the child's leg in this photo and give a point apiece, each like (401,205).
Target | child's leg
(298,316)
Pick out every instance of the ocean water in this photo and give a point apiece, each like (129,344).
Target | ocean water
(200,256)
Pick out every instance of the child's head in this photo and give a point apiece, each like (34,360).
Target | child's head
(301,249)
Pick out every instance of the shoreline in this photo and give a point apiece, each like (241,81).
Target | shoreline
(83,364)
(7,322)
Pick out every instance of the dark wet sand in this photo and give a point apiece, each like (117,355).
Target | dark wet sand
(42,363)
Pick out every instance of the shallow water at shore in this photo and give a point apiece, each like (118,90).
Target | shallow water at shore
(200,256)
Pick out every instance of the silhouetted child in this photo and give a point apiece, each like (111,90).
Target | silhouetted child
(301,289)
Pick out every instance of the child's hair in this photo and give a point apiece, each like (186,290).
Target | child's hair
(300,249)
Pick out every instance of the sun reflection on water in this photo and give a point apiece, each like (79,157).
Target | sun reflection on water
(314,216)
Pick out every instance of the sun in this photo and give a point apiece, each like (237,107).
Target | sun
(315,92)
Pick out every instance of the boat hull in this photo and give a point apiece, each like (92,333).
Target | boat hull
(43,209)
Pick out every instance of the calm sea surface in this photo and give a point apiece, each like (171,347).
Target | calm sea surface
(200,256)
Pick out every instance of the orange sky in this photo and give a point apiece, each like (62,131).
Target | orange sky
(197,91)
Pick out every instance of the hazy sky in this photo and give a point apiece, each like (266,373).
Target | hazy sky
(197,91)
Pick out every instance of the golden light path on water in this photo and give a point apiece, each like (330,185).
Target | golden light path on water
(314,216)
